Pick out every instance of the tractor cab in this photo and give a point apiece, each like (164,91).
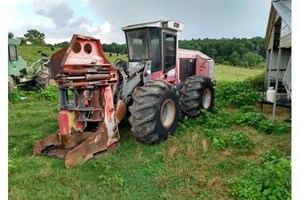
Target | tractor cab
(155,46)
(15,62)
(155,43)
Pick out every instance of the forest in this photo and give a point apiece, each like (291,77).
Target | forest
(237,52)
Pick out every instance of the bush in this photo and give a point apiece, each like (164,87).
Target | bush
(240,142)
(257,82)
(236,94)
(249,116)
(252,119)
(270,179)
(218,119)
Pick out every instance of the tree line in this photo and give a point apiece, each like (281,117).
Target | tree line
(236,51)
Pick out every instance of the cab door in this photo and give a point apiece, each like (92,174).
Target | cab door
(169,57)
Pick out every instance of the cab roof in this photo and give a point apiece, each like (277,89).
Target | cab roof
(165,24)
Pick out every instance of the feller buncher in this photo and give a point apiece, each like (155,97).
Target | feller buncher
(158,84)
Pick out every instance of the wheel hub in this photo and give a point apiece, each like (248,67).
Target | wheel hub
(167,113)
(206,98)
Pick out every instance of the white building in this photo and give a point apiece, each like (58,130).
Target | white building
(279,46)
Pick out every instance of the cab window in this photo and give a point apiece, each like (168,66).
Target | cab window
(12,53)
(169,51)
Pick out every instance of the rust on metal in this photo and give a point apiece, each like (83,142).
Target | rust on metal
(55,63)
(87,123)
(121,111)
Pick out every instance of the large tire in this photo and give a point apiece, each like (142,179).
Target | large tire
(197,93)
(11,85)
(43,78)
(155,111)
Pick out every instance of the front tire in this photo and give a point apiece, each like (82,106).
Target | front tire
(43,78)
(154,112)
(197,93)
(11,85)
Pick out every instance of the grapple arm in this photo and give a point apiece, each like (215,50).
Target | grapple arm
(87,122)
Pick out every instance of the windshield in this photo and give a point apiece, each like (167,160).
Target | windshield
(12,52)
(138,44)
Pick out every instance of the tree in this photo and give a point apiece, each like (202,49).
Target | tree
(234,59)
(252,58)
(35,37)
(62,44)
(10,35)
(23,40)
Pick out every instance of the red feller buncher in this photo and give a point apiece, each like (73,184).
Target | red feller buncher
(159,82)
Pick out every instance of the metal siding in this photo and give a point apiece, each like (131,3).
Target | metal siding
(271,39)
(278,8)
(285,30)
(285,36)
(271,70)
(284,10)
(285,42)
(285,56)
(287,79)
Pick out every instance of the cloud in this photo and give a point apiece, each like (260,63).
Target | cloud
(57,10)
(61,22)
(104,19)
(106,27)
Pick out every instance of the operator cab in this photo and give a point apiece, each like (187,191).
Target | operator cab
(155,42)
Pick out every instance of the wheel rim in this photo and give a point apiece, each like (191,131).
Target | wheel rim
(206,98)
(167,113)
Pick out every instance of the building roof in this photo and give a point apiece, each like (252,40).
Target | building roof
(283,8)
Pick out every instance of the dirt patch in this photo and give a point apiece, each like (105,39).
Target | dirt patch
(204,144)
(281,113)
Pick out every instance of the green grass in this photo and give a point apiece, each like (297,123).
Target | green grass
(231,73)
(30,53)
(194,164)
(206,159)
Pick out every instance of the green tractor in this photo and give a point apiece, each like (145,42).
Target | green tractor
(20,74)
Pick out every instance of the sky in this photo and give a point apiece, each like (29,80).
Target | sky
(103,19)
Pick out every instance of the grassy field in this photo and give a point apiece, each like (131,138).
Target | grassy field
(231,73)
(233,153)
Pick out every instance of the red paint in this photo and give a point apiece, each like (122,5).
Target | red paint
(66,124)
(201,66)
(63,119)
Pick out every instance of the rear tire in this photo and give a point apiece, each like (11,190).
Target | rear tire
(154,112)
(43,78)
(197,93)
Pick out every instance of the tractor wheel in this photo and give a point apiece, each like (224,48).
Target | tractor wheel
(43,78)
(197,93)
(154,112)
(11,85)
